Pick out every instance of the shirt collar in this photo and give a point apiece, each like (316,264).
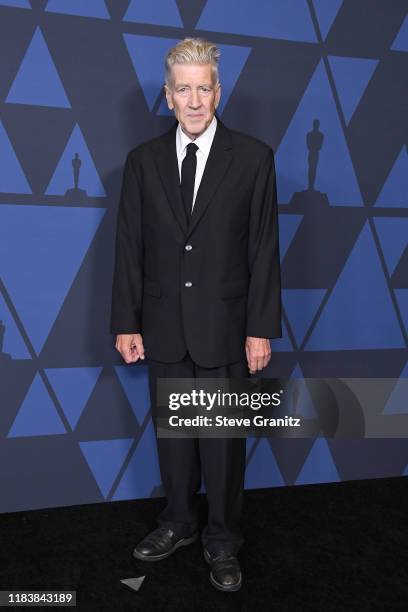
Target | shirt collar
(203,142)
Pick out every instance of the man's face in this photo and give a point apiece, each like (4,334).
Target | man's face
(193,96)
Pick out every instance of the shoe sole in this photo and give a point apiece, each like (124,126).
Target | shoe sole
(217,585)
(182,542)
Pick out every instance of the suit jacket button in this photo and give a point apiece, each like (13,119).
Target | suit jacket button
(188,284)
(188,247)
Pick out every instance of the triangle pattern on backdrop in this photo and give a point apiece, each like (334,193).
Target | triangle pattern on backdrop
(393,234)
(41,250)
(63,178)
(105,459)
(37,415)
(288,226)
(301,306)
(16,3)
(402,299)
(351,75)
(135,384)
(394,193)
(335,175)
(13,343)
(326,13)
(37,81)
(12,177)
(90,8)
(159,12)
(359,313)
(397,403)
(282,19)
(319,466)
(401,40)
(284,344)
(262,470)
(73,387)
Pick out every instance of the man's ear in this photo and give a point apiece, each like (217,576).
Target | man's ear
(217,96)
(168,97)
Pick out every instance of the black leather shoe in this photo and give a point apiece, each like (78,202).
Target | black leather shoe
(225,572)
(160,544)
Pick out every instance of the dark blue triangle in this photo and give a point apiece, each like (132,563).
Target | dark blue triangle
(282,19)
(159,12)
(351,76)
(401,40)
(395,189)
(288,226)
(397,403)
(89,8)
(393,234)
(335,173)
(41,250)
(402,299)
(319,465)
(37,415)
(142,474)
(301,306)
(13,343)
(326,11)
(12,177)
(135,383)
(359,313)
(63,178)
(37,81)
(73,387)
(263,471)
(105,459)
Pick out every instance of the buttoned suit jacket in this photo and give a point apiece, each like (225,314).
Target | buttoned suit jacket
(201,284)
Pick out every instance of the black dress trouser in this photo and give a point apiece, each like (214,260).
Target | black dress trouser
(221,461)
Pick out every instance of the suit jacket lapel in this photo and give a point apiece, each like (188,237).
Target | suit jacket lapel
(167,166)
(218,161)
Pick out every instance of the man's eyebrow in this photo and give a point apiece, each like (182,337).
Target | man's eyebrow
(187,85)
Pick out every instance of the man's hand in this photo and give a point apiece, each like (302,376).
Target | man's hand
(130,346)
(258,352)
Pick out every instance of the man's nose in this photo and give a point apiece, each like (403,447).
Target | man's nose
(195,100)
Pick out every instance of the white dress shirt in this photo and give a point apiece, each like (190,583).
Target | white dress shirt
(203,142)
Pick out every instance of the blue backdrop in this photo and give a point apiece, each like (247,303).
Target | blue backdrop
(324,83)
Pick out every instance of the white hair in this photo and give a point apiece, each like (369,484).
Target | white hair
(193,51)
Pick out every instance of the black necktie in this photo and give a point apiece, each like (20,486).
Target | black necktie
(188,170)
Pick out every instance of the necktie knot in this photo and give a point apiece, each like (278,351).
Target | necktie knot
(191,149)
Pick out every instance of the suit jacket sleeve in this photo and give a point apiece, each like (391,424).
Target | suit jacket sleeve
(127,286)
(264,292)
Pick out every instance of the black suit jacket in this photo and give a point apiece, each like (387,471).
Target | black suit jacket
(205,284)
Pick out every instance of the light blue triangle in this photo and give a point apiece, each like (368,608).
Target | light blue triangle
(326,11)
(81,8)
(12,178)
(63,178)
(282,345)
(159,12)
(105,459)
(41,250)
(359,313)
(282,19)
(142,474)
(13,343)
(37,415)
(301,306)
(401,40)
(319,466)
(402,299)
(394,193)
(135,383)
(397,403)
(233,61)
(335,173)
(263,471)
(37,81)
(17,3)
(304,403)
(73,387)
(351,76)
(393,234)
(288,226)
(147,53)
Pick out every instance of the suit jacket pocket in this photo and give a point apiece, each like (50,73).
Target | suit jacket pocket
(233,289)
(151,287)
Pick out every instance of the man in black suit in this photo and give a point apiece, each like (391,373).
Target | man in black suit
(197,290)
